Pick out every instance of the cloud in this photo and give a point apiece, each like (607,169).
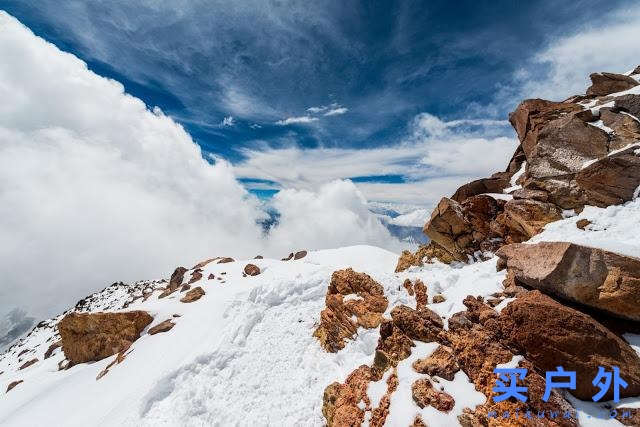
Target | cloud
(433,149)
(613,45)
(228,121)
(336,111)
(296,120)
(317,109)
(97,188)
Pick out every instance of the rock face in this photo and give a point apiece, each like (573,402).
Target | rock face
(425,253)
(592,277)
(552,335)
(165,326)
(193,295)
(366,302)
(441,363)
(174,283)
(606,83)
(422,325)
(495,184)
(425,395)
(93,336)
(251,270)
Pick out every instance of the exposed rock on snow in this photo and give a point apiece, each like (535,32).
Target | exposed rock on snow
(28,363)
(441,363)
(593,277)
(341,318)
(495,184)
(251,270)
(161,327)
(90,337)
(300,255)
(429,252)
(193,295)
(13,384)
(607,83)
(551,334)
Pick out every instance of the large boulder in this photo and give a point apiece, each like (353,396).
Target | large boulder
(606,83)
(353,299)
(629,104)
(495,184)
(526,217)
(611,180)
(626,128)
(550,334)
(592,277)
(93,336)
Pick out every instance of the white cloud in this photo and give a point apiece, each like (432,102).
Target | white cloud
(96,188)
(433,149)
(316,109)
(336,111)
(295,120)
(228,121)
(614,46)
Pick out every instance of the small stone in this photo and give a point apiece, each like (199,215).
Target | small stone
(300,254)
(13,384)
(582,224)
(251,270)
(211,276)
(162,327)
(437,299)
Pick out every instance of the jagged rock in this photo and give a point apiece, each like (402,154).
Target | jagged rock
(441,363)
(593,277)
(13,384)
(336,320)
(185,287)
(28,363)
(226,260)
(393,346)
(495,184)
(290,257)
(340,402)
(93,336)
(626,128)
(379,414)
(202,264)
(552,335)
(424,394)
(582,223)
(211,276)
(424,325)
(437,299)
(162,327)
(606,83)
(422,298)
(425,252)
(523,193)
(408,285)
(117,360)
(195,276)
(628,103)
(193,295)
(478,350)
(611,180)
(300,255)
(25,351)
(259,257)
(524,218)
(174,283)
(532,114)
(251,270)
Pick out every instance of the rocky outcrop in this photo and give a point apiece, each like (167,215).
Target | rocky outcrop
(424,394)
(251,270)
(341,401)
(353,299)
(550,335)
(193,295)
(425,253)
(175,282)
(93,336)
(592,277)
(165,326)
(52,348)
(628,103)
(495,184)
(441,363)
(606,83)
(12,385)
(524,218)
(422,325)
(28,363)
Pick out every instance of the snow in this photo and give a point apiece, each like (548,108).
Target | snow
(499,196)
(416,218)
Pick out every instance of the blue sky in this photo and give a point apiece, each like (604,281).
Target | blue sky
(246,78)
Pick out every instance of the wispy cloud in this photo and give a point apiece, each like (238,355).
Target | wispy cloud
(315,110)
(296,120)
(336,111)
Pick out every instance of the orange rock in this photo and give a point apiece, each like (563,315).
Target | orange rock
(94,336)
(441,363)
(425,395)
(193,295)
(340,402)
(162,327)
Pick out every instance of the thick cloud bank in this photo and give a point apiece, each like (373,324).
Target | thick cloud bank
(95,188)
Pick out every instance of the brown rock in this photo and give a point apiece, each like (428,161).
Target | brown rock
(393,346)
(251,270)
(116,360)
(340,401)
(528,217)
(211,276)
(340,319)
(532,114)
(626,128)
(185,287)
(582,223)
(441,363)
(13,384)
(27,364)
(290,257)
(421,295)
(300,255)
(379,414)
(162,327)
(193,295)
(606,83)
(226,260)
(93,336)
(593,277)
(552,335)
(195,276)
(611,180)
(408,285)
(425,395)
(628,103)
(424,325)
(202,264)
(523,193)
(174,283)
(437,299)
(494,184)
(627,416)
(259,257)
(424,253)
